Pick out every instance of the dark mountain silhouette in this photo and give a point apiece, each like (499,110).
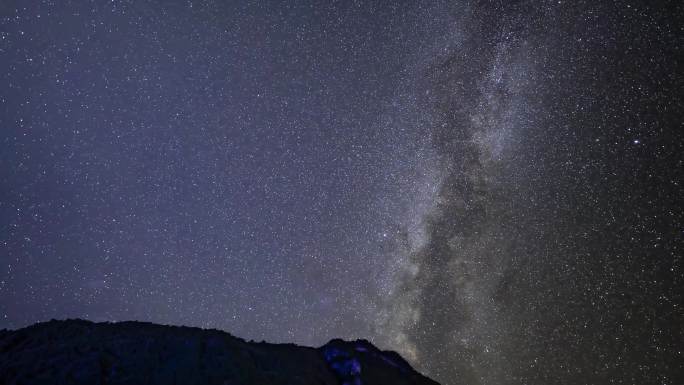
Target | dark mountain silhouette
(83,352)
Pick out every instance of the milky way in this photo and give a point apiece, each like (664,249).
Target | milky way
(485,242)
(491,188)
(474,89)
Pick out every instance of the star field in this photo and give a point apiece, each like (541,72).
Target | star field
(491,188)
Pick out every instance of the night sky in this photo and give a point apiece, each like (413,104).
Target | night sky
(492,188)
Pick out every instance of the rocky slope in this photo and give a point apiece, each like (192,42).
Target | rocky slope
(83,352)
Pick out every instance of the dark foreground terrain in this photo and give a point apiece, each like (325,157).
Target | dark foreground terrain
(83,352)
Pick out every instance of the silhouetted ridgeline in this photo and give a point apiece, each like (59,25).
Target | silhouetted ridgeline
(83,352)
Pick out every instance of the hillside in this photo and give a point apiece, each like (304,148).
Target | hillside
(83,352)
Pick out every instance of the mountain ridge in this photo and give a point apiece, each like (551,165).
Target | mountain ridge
(76,351)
